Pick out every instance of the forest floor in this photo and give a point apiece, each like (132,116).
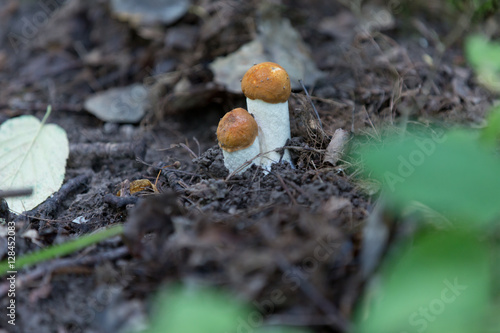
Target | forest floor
(296,231)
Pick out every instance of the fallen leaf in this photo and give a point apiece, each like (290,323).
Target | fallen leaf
(336,146)
(32,154)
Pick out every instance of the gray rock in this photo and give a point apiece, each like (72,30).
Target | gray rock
(119,105)
(277,41)
(148,12)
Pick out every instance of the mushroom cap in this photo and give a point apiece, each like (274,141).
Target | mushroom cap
(268,82)
(237,130)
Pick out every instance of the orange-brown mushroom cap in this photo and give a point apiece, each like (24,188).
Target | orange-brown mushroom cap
(268,82)
(237,130)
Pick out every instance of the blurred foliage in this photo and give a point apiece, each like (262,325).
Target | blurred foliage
(484,56)
(481,8)
(450,172)
(442,280)
(490,135)
(198,310)
(439,284)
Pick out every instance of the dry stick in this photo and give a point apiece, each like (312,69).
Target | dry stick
(165,167)
(53,203)
(198,144)
(173,180)
(119,202)
(329,101)
(185,146)
(50,266)
(107,150)
(312,104)
(16,193)
(370,120)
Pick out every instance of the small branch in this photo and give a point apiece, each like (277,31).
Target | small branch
(120,202)
(173,180)
(81,152)
(16,193)
(53,203)
(311,102)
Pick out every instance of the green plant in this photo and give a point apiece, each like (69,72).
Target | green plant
(60,250)
(484,56)
(442,281)
(202,310)
(481,8)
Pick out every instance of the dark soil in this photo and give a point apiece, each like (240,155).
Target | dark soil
(293,230)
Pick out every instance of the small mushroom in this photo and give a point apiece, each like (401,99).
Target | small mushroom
(267,89)
(237,136)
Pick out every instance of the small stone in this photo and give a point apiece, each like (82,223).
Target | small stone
(150,12)
(119,105)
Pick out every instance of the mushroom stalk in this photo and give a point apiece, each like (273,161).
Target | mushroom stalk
(274,130)
(237,134)
(267,89)
(235,160)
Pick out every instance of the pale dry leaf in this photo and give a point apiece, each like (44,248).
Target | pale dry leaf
(31,155)
(336,146)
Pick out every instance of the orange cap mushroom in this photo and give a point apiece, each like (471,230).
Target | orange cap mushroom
(237,130)
(268,82)
(267,89)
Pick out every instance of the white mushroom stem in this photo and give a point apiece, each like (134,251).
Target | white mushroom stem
(274,130)
(236,159)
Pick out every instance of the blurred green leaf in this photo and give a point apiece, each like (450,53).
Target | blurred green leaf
(451,173)
(484,56)
(490,135)
(481,8)
(207,311)
(60,250)
(197,311)
(439,285)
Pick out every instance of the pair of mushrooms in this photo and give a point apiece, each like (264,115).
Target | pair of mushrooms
(242,136)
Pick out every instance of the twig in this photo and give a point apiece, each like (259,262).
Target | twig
(173,180)
(185,146)
(89,151)
(53,203)
(16,193)
(312,104)
(120,202)
(198,144)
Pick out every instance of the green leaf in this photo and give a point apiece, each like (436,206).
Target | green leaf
(484,56)
(198,311)
(490,135)
(451,173)
(440,285)
(32,154)
(61,249)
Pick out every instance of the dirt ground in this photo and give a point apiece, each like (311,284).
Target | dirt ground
(296,230)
